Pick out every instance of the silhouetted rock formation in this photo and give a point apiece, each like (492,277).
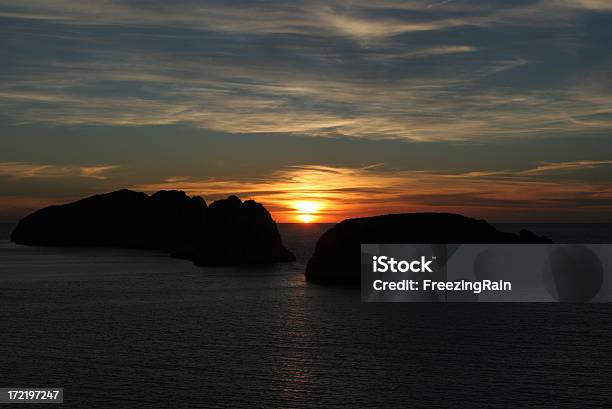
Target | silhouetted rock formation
(225,233)
(336,259)
(241,231)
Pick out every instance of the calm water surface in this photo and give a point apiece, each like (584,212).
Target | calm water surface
(120,328)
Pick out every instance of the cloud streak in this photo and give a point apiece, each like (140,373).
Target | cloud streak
(563,167)
(214,95)
(21,170)
(353,18)
(340,193)
(285,68)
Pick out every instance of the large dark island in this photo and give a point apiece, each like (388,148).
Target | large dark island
(336,257)
(228,232)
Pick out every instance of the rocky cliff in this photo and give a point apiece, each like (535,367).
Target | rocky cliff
(336,259)
(228,232)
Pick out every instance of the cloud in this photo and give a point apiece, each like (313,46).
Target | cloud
(598,5)
(423,52)
(342,192)
(219,95)
(244,17)
(371,29)
(96,172)
(562,167)
(284,67)
(548,191)
(21,170)
(350,18)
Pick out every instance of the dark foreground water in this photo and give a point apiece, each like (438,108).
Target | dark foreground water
(131,329)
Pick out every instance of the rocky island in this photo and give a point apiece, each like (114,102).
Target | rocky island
(228,232)
(336,257)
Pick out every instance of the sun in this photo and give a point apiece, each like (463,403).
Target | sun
(306,218)
(306,210)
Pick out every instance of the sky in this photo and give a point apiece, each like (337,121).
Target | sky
(321,110)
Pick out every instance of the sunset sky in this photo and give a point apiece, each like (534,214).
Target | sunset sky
(494,109)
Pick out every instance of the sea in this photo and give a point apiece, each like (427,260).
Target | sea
(138,329)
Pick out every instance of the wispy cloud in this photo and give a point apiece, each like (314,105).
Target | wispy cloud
(547,191)
(21,170)
(350,18)
(350,192)
(371,29)
(215,94)
(562,167)
(438,50)
(273,69)
(582,4)
(324,18)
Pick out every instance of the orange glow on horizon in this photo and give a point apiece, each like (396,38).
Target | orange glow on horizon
(323,194)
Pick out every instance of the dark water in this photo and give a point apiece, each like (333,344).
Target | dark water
(131,329)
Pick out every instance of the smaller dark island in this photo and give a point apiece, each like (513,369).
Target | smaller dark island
(228,232)
(336,257)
